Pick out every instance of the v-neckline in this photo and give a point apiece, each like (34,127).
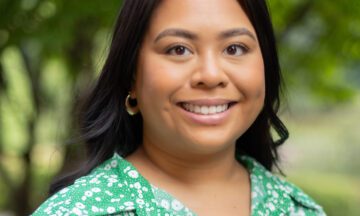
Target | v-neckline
(244,160)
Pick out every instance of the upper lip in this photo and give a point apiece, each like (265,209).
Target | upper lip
(208,102)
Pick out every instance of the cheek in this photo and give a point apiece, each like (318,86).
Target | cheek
(250,80)
(255,92)
(156,82)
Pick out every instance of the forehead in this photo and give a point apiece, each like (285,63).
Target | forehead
(199,15)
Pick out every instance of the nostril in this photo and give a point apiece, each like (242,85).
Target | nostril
(208,78)
(210,84)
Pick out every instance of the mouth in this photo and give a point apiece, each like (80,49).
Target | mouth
(204,109)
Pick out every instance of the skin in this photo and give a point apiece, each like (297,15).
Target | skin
(191,160)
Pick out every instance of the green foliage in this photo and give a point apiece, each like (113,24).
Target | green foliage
(319,41)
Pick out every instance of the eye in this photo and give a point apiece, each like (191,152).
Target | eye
(178,51)
(235,50)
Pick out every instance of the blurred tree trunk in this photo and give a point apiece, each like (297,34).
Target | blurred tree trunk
(3,173)
(22,194)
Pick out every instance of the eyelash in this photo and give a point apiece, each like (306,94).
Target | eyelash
(173,48)
(169,51)
(244,49)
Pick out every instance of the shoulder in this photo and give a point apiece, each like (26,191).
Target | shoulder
(108,189)
(273,194)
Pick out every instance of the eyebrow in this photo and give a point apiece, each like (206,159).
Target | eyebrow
(176,33)
(237,32)
(191,36)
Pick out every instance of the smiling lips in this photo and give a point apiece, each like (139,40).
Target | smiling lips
(207,107)
(205,110)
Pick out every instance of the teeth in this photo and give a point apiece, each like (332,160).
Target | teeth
(205,110)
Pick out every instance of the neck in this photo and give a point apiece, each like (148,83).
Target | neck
(189,168)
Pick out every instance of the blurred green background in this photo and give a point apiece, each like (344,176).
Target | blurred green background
(51,51)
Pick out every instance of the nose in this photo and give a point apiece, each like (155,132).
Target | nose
(209,73)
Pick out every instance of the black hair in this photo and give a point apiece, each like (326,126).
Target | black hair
(106,127)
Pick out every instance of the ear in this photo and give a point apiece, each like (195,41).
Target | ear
(132,91)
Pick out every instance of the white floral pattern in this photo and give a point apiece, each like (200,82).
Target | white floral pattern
(117,188)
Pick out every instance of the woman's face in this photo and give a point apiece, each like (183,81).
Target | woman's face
(200,76)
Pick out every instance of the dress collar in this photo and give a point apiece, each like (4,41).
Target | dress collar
(271,192)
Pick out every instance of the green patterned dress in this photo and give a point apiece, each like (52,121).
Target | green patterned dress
(117,188)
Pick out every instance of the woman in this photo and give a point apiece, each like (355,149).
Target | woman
(179,121)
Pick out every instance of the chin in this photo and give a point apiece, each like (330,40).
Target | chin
(210,144)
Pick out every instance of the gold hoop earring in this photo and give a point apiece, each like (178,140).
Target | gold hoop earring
(131,109)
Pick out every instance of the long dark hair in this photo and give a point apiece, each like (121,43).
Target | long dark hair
(107,128)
